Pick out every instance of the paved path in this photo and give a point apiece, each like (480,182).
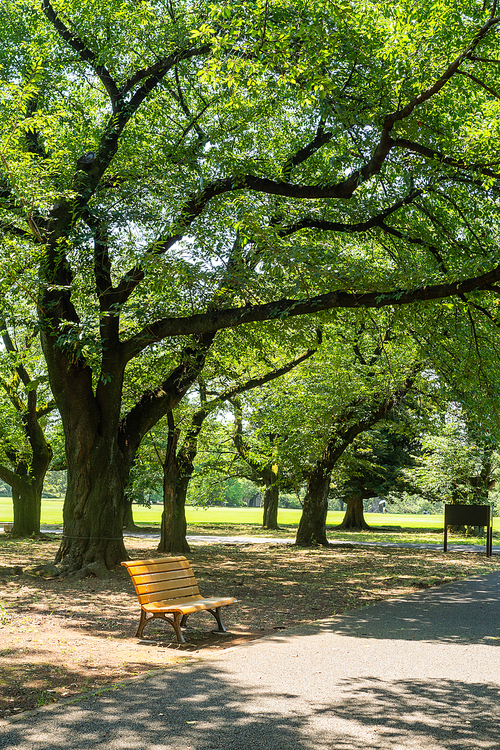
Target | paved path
(413,673)
(223,539)
(279,540)
(212,539)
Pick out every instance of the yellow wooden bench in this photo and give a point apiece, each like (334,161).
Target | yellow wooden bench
(167,588)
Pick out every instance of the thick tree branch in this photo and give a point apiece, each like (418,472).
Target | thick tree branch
(362,226)
(430,153)
(285,308)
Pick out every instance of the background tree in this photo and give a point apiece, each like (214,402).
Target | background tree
(455,466)
(178,465)
(25,452)
(263,469)
(373,464)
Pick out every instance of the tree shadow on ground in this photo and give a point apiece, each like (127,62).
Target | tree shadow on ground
(204,707)
(438,713)
(465,611)
(199,707)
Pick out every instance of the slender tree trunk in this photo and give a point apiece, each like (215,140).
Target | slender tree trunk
(271,498)
(312,526)
(354,519)
(27,503)
(173,521)
(27,487)
(178,469)
(128,517)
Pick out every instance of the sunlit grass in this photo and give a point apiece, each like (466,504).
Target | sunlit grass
(52,514)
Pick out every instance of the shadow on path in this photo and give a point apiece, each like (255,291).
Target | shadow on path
(182,708)
(464,612)
(444,714)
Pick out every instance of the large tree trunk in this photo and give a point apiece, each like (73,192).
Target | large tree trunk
(312,526)
(93,508)
(354,519)
(271,498)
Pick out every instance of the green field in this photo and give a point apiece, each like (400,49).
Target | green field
(52,514)
(248,521)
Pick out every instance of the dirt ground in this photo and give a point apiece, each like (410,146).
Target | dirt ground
(59,638)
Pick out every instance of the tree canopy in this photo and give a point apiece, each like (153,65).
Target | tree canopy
(171,170)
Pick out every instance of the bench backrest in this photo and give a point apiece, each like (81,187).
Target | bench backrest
(163,579)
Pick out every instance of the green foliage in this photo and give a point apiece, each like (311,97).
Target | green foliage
(55,484)
(211,489)
(363,359)
(453,467)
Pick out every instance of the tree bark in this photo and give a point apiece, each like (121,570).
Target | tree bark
(173,520)
(312,526)
(94,503)
(354,519)
(128,518)
(271,498)
(177,472)
(27,505)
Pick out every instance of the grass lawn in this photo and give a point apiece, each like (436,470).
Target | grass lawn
(52,514)
(420,529)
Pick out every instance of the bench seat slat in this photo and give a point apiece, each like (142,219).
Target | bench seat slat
(163,576)
(161,567)
(155,561)
(179,583)
(177,594)
(197,605)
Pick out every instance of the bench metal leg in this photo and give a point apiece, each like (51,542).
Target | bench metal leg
(174,621)
(176,624)
(216,614)
(142,623)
